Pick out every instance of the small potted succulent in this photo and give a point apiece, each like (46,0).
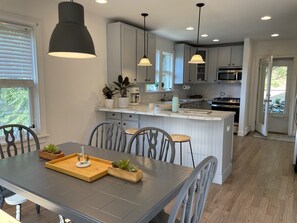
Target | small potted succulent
(108,94)
(125,170)
(122,86)
(50,152)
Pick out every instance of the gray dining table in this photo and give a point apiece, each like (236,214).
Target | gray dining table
(107,199)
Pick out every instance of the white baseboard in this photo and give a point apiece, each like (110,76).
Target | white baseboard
(221,178)
(244,132)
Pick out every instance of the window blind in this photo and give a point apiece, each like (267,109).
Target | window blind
(16,47)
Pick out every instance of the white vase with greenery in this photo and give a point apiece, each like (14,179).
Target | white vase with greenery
(121,87)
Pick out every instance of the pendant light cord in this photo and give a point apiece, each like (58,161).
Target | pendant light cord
(198,5)
(144,43)
(144,36)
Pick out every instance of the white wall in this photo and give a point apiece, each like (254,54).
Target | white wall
(72,87)
(247,67)
(278,49)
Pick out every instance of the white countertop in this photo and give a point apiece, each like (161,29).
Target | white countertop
(196,114)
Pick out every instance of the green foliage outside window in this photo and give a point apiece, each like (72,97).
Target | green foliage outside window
(14,106)
(279,77)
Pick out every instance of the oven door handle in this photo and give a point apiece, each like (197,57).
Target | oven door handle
(225,106)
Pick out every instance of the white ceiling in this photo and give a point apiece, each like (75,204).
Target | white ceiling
(227,20)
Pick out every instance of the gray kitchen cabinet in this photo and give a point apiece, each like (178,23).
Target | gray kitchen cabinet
(124,51)
(212,64)
(124,119)
(182,68)
(121,51)
(146,75)
(186,73)
(230,56)
(198,71)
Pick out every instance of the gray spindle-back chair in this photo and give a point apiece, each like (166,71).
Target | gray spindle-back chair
(189,205)
(152,142)
(17,139)
(108,135)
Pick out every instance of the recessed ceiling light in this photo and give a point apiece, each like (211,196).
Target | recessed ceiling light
(275,35)
(216,40)
(204,35)
(189,28)
(267,17)
(101,1)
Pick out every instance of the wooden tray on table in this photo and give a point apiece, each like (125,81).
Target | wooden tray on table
(67,165)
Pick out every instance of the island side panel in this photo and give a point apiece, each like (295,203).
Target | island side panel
(207,137)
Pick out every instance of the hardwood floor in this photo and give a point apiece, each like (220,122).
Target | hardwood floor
(261,188)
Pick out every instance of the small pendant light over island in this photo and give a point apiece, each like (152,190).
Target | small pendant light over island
(144,62)
(197,59)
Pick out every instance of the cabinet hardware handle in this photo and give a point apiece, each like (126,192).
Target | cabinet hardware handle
(113,114)
(124,123)
(149,79)
(130,116)
(134,79)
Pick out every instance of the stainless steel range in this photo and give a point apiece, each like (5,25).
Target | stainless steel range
(227,104)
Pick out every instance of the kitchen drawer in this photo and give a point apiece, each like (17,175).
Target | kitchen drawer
(130,117)
(113,115)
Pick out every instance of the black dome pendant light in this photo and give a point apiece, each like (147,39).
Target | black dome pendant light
(71,38)
(144,62)
(197,59)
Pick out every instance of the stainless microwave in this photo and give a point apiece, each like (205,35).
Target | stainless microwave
(229,75)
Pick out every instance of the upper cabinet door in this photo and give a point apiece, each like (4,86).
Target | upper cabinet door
(121,52)
(192,67)
(129,52)
(186,68)
(230,56)
(140,71)
(146,75)
(236,55)
(198,71)
(212,64)
(151,54)
(224,56)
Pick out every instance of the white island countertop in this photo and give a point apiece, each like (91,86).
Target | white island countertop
(196,114)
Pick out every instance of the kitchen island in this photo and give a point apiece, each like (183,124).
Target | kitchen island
(211,132)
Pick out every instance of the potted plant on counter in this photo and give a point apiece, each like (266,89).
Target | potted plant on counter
(108,94)
(121,87)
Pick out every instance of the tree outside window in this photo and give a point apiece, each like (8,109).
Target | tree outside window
(17,74)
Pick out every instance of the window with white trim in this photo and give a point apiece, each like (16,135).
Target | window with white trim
(164,72)
(18,75)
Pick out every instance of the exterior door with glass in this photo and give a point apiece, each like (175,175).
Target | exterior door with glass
(279,105)
(273,95)
(265,70)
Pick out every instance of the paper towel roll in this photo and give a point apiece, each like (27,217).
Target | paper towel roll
(186,87)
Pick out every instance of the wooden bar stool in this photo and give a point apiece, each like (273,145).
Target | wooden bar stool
(131,131)
(180,138)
